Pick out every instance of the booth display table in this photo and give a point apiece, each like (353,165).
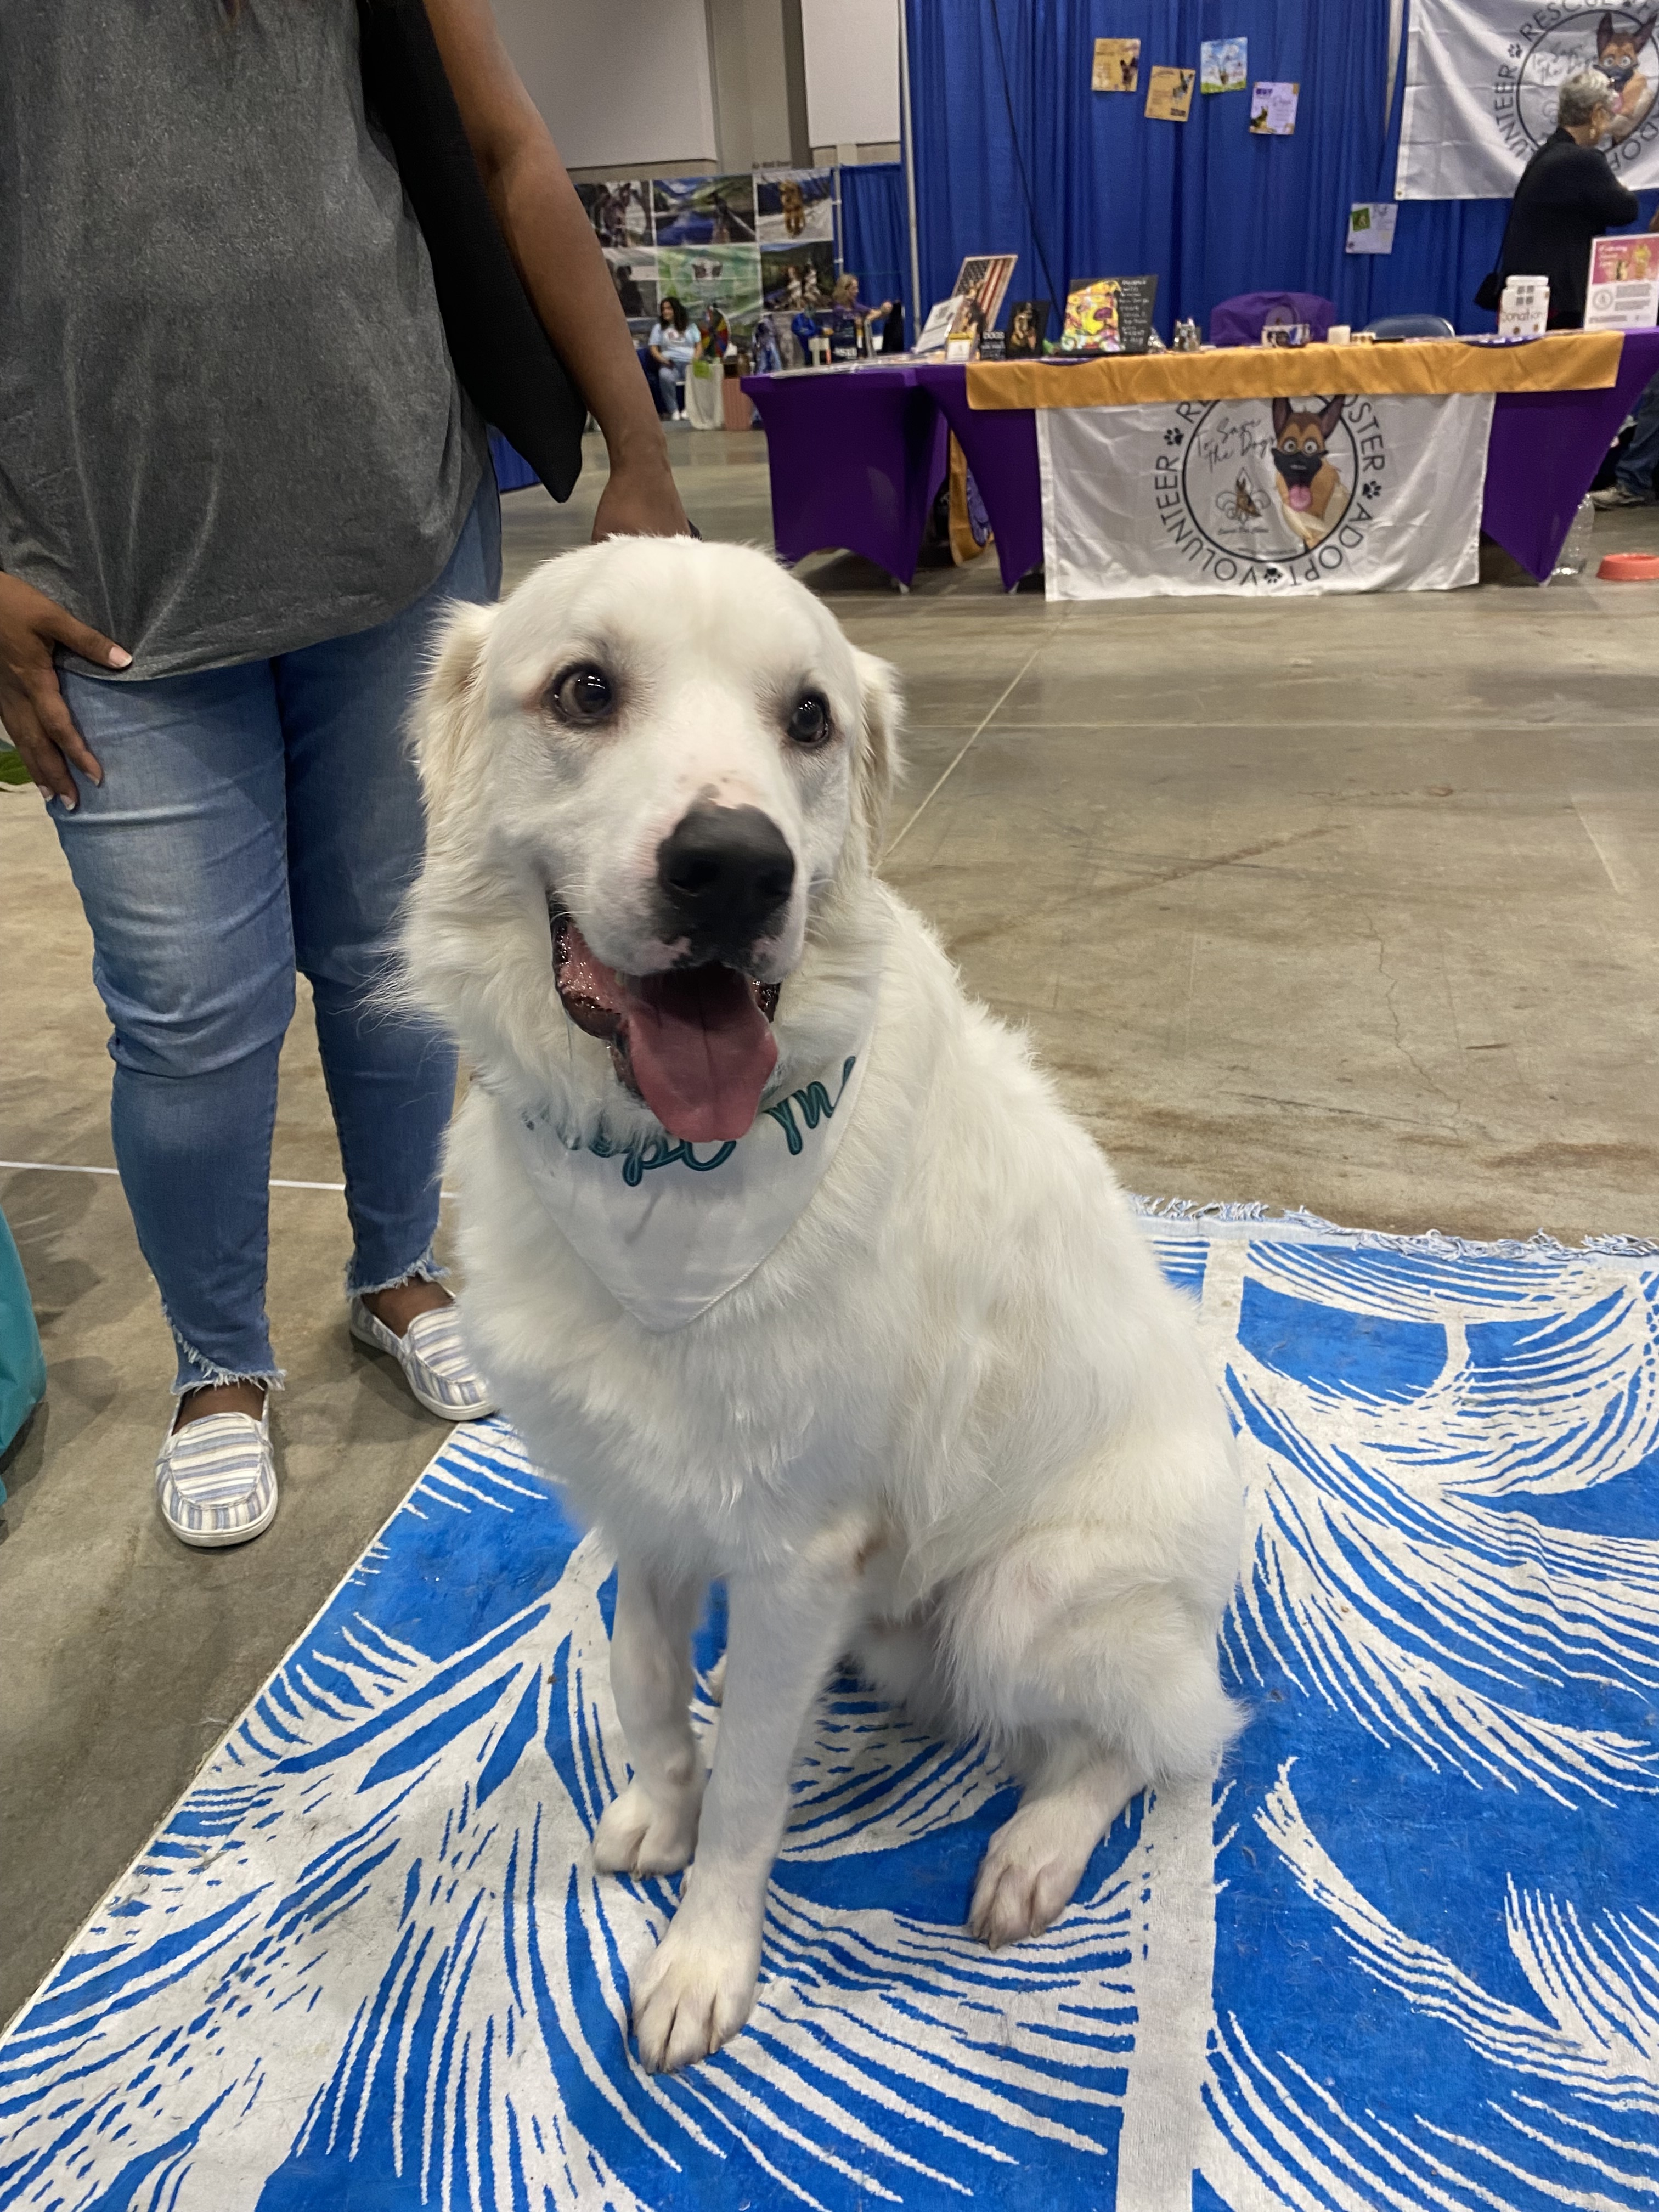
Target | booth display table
(857,454)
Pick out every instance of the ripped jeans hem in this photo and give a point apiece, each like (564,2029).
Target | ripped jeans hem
(425,1270)
(209,1375)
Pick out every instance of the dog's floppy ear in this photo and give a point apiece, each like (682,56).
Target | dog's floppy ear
(1281,416)
(878,764)
(1330,416)
(449,713)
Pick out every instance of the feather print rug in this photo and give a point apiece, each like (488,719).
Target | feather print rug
(1403,1953)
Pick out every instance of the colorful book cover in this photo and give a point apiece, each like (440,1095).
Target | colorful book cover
(1223,64)
(1090,324)
(1170,93)
(1117,66)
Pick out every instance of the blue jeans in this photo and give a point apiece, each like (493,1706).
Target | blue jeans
(1636,464)
(253,819)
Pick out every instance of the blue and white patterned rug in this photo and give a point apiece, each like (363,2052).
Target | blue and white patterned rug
(1406,1953)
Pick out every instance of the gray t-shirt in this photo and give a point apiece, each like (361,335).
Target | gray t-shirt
(228,422)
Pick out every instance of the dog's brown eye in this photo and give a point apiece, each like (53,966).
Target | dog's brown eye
(581,694)
(809,723)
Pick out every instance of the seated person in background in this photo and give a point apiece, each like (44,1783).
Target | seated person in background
(672,344)
(1566,196)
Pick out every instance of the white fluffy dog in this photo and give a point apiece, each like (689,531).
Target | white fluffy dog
(783,1258)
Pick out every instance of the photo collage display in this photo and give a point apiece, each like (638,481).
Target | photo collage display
(748,244)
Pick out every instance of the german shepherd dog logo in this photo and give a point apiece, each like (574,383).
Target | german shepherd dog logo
(1313,495)
(1618,56)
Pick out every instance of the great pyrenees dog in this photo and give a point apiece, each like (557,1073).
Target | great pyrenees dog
(783,1258)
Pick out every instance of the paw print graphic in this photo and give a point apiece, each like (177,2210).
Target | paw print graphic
(1270,575)
(1173,438)
(1372,491)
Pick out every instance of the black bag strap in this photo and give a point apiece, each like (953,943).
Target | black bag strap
(502,356)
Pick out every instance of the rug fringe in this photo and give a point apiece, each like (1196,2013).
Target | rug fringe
(1431,1241)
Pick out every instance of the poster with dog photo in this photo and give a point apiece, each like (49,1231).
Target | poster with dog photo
(1169,95)
(794,278)
(1117,66)
(790,204)
(703,210)
(1272,110)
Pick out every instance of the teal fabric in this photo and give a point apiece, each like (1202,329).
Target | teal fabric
(23,1364)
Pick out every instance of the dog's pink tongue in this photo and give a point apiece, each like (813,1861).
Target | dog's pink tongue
(1300,497)
(701,1050)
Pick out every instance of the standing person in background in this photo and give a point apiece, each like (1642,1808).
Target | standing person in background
(239,482)
(673,346)
(1566,196)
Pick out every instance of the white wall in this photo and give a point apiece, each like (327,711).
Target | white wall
(622,83)
(852,70)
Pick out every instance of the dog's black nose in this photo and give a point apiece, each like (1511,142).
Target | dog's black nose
(723,872)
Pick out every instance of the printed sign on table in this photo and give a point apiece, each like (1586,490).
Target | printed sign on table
(1623,290)
(1264,496)
(1482,80)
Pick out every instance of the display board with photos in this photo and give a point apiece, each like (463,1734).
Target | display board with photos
(747,243)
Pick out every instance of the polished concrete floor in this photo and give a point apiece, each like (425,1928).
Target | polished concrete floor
(1352,905)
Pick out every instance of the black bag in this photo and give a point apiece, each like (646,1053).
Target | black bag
(502,356)
(1490,292)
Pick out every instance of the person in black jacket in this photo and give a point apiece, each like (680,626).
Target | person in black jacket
(1566,196)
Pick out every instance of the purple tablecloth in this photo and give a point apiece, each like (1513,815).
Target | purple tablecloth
(854,463)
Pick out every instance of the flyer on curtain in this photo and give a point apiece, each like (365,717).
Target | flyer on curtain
(1356,492)
(1481,81)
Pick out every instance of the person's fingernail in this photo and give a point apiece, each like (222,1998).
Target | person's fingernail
(120,656)
(68,801)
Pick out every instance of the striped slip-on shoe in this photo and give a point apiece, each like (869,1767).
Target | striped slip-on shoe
(436,1365)
(216,1479)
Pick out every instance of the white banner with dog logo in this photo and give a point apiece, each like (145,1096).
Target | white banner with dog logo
(1366,493)
(1481,81)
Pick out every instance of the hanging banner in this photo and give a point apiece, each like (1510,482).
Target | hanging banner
(1481,81)
(1365,493)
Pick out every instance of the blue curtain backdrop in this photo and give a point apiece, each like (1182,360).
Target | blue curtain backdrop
(875,233)
(1013,150)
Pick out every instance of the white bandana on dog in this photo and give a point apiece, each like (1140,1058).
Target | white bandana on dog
(669,1228)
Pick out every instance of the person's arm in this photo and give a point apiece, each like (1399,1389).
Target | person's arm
(552,243)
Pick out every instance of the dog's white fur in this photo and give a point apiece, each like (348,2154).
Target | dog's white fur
(955,1423)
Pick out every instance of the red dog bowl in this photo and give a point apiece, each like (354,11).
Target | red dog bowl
(1629,568)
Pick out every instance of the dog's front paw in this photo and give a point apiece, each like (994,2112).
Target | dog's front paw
(1026,1881)
(641,1834)
(693,1994)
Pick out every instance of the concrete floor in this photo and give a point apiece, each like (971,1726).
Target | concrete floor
(1351,904)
